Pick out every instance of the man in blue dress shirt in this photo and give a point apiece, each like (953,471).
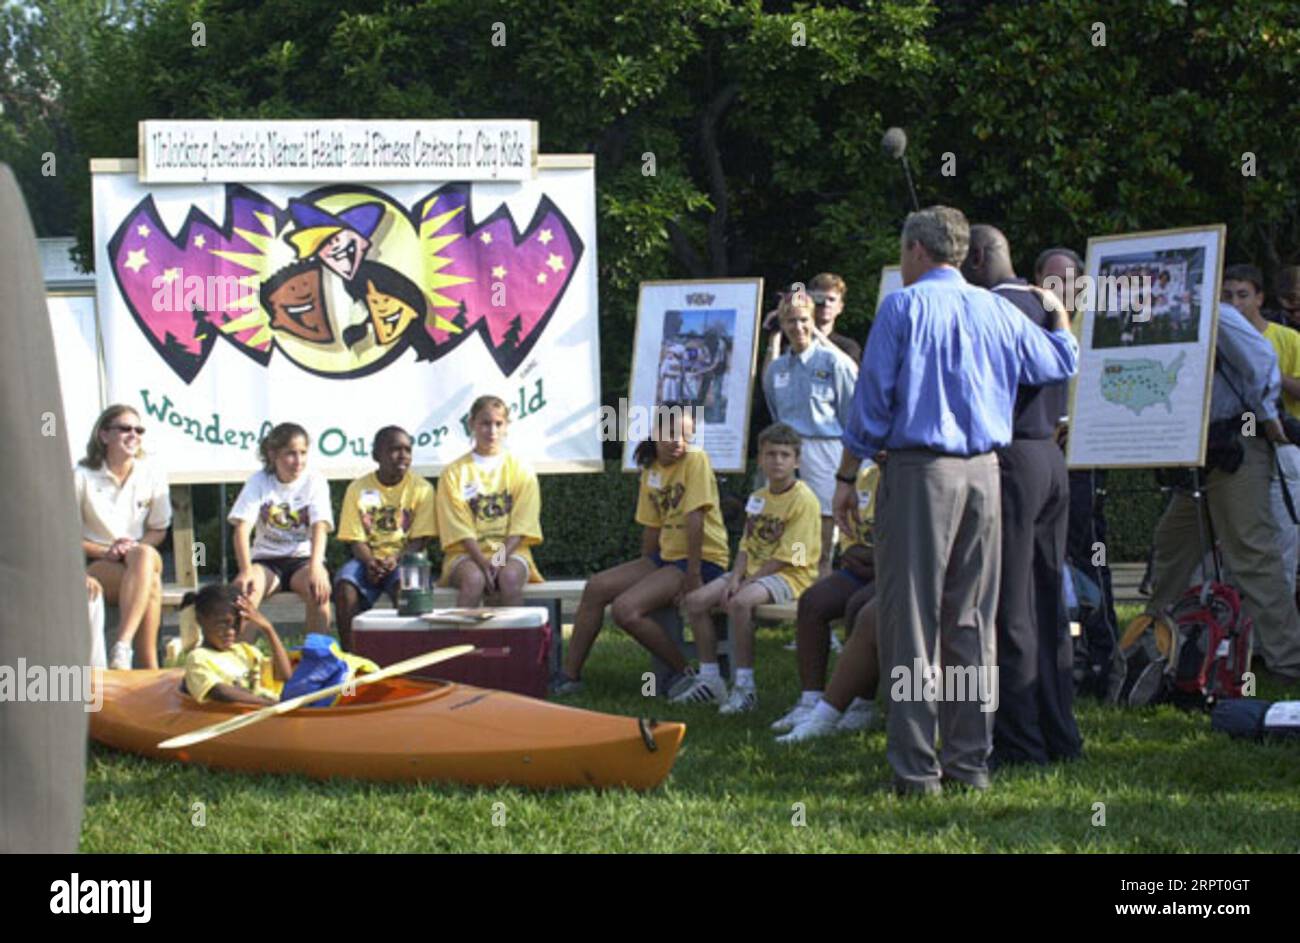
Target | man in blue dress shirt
(936,392)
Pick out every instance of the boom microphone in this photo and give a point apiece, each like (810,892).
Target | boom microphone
(894,144)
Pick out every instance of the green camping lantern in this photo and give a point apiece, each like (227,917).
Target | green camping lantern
(415,593)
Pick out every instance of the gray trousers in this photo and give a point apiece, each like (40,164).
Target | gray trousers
(1251,540)
(938,562)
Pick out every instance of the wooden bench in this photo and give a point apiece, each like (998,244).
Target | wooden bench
(567,592)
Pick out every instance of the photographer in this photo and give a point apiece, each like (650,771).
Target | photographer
(1241,461)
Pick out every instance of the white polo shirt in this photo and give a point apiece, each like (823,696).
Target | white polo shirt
(111,509)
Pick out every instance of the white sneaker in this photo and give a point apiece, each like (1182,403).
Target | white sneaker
(741,701)
(810,728)
(701,691)
(792,718)
(119,656)
(861,717)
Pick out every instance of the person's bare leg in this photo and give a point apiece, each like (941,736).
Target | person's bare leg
(469,582)
(317,613)
(346,602)
(632,610)
(143,569)
(510,583)
(265,585)
(699,607)
(824,559)
(601,590)
(741,613)
(857,672)
(146,639)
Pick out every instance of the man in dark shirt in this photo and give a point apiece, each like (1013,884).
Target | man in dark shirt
(827,291)
(1035,718)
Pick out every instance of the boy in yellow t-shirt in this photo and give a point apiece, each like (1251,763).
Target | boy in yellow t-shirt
(842,594)
(223,668)
(489,514)
(385,514)
(776,562)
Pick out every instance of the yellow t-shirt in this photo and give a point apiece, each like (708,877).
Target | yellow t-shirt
(488,500)
(241,665)
(867,486)
(669,493)
(387,517)
(785,527)
(1286,341)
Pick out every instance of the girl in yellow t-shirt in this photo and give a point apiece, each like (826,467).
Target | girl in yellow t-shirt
(222,667)
(684,545)
(489,514)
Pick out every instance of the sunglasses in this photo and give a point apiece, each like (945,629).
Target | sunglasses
(138,430)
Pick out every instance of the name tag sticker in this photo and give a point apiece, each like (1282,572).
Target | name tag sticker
(781,381)
(469,490)
(754,505)
(370,497)
(653,480)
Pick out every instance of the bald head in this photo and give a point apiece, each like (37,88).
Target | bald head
(988,262)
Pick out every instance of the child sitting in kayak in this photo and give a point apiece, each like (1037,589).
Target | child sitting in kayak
(489,514)
(222,667)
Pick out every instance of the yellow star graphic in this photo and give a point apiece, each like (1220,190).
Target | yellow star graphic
(200,241)
(143,230)
(498,271)
(541,278)
(485,238)
(136,260)
(171,275)
(554,263)
(545,237)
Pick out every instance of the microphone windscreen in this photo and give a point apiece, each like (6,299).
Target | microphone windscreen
(894,143)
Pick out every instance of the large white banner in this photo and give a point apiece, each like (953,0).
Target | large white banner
(226,309)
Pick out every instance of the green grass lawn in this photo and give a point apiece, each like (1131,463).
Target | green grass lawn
(1167,782)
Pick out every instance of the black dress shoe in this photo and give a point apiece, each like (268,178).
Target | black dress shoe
(952,783)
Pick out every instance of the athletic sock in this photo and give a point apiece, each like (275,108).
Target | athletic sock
(745,677)
(825,713)
(709,670)
(809,698)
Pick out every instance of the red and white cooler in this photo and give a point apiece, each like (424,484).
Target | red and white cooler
(513,654)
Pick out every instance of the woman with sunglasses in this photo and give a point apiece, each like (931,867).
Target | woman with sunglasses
(125,512)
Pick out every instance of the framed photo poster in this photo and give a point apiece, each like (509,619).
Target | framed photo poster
(695,344)
(1150,307)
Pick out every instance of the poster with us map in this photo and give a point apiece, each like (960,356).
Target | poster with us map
(1149,304)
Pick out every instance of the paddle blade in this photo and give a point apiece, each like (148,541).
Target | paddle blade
(284,707)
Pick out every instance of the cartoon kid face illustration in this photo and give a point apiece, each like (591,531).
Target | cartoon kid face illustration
(297,306)
(343,252)
(390,314)
(282,517)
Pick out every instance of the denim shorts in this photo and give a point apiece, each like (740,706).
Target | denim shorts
(354,572)
(708,571)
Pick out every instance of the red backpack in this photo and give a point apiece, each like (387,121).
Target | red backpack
(1214,645)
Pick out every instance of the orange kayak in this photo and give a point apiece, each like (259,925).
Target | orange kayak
(398,729)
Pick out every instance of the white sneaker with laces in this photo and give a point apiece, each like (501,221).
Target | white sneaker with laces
(119,656)
(861,717)
(701,690)
(792,718)
(741,701)
(810,728)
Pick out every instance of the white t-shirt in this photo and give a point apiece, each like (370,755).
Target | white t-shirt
(282,513)
(111,510)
